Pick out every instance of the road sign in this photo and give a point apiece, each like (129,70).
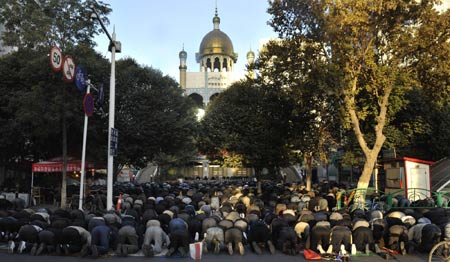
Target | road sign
(80,77)
(114,141)
(68,69)
(56,59)
(88,104)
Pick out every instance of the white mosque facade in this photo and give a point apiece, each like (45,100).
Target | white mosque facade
(216,59)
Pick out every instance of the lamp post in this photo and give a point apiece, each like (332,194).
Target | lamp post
(83,154)
(114,47)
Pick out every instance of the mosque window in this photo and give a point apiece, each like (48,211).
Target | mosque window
(208,64)
(225,65)
(216,64)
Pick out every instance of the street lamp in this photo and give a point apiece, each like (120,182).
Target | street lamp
(114,47)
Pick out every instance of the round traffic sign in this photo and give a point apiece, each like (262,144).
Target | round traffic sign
(80,77)
(88,104)
(56,59)
(68,68)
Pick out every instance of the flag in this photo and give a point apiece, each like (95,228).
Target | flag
(196,250)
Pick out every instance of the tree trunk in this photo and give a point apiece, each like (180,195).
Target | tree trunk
(371,154)
(364,180)
(308,161)
(258,180)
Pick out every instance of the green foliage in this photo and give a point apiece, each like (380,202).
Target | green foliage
(32,24)
(155,121)
(298,69)
(232,160)
(425,120)
(248,120)
(33,98)
(370,55)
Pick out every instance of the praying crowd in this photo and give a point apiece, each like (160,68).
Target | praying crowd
(164,218)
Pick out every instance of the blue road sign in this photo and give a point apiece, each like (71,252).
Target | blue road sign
(80,77)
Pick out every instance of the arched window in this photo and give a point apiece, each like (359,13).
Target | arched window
(208,65)
(216,64)
(198,99)
(213,96)
(225,65)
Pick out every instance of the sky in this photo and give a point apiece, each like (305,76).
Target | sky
(153,32)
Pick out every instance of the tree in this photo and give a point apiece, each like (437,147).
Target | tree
(32,98)
(369,50)
(39,25)
(155,121)
(250,120)
(315,113)
(425,121)
(423,128)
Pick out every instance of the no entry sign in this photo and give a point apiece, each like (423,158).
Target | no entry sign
(68,68)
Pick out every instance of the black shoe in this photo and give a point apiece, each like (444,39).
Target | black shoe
(84,250)
(124,250)
(58,250)
(329,256)
(40,249)
(183,252)
(94,250)
(256,248)
(271,247)
(66,249)
(119,250)
(170,252)
(147,250)
(286,248)
(34,249)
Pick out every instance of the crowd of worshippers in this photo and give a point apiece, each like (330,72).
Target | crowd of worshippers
(162,219)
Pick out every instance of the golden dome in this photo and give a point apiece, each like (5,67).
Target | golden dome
(217,42)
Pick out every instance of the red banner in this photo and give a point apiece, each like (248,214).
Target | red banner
(57,167)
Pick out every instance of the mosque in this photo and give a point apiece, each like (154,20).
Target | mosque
(217,60)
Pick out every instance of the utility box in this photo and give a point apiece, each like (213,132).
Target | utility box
(409,177)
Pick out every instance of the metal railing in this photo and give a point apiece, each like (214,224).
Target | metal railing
(371,198)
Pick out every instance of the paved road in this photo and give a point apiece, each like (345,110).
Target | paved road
(222,257)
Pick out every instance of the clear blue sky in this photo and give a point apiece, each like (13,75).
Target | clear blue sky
(153,31)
